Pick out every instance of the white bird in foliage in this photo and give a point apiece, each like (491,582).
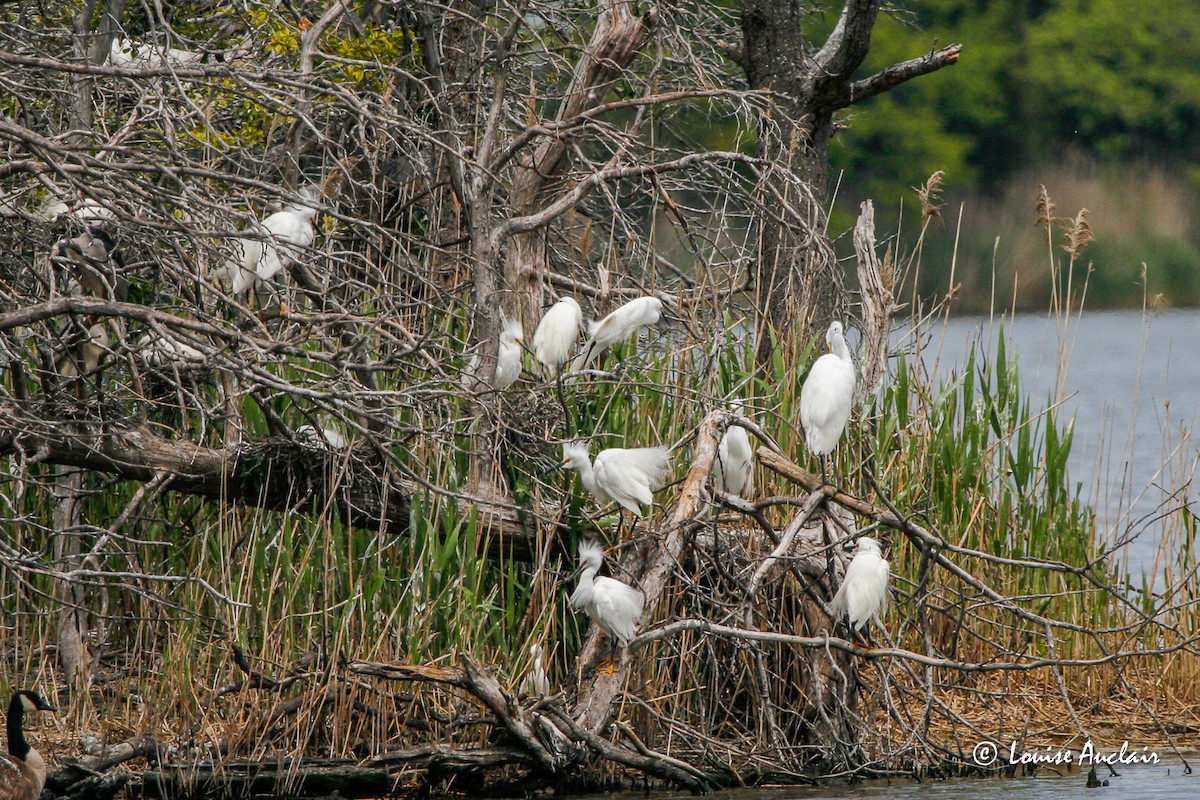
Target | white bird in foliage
(616,607)
(278,241)
(557,332)
(617,326)
(628,476)
(124,53)
(22,768)
(863,593)
(828,394)
(508,356)
(535,683)
(168,350)
(328,438)
(733,471)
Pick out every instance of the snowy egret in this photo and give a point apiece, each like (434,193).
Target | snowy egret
(22,768)
(827,395)
(733,471)
(628,476)
(615,606)
(281,238)
(329,438)
(535,684)
(617,326)
(508,356)
(167,351)
(557,332)
(93,260)
(123,53)
(863,593)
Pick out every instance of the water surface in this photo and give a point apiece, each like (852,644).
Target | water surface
(1132,384)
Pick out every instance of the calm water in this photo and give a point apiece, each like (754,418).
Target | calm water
(1132,383)
(1165,781)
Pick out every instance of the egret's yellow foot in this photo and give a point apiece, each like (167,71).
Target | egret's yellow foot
(607,667)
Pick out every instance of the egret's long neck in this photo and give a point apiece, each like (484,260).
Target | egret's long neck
(587,475)
(17,745)
(839,348)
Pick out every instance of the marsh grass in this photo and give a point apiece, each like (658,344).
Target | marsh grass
(967,452)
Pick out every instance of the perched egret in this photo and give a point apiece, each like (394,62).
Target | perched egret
(535,683)
(124,53)
(557,332)
(508,356)
(87,212)
(280,239)
(95,263)
(615,606)
(863,593)
(628,476)
(22,768)
(166,350)
(617,326)
(827,395)
(733,471)
(328,438)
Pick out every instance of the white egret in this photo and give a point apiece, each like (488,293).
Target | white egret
(329,438)
(628,476)
(615,606)
(166,350)
(557,332)
(863,593)
(733,471)
(827,395)
(617,326)
(281,237)
(508,356)
(22,768)
(535,683)
(124,53)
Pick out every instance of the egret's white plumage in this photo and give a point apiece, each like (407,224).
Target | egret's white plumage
(126,54)
(508,356)
(557,332)
(863,592)
(616,607)
(280,239)
(535,683)
(628,476)
(617,326)
(733,471)
(326,437)
(828,394)
(167,350)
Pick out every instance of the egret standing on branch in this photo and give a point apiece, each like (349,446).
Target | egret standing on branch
(628,476)
(827,395)
(733,471)
(617,326)
(615,607)
(863,593)
(557,332)
(508,356)
(280,239)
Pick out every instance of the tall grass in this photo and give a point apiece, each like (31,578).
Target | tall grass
(969,453)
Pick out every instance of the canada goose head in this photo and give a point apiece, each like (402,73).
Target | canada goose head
(22,769)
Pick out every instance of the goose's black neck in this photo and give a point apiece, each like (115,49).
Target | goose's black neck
(17,745)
